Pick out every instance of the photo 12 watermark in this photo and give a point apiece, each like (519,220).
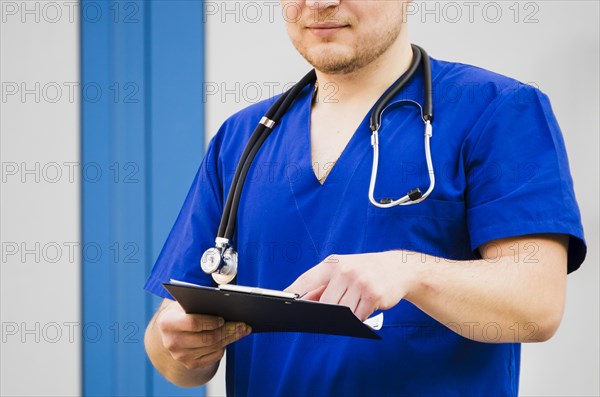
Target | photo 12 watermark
(53,172)
(54,332)
(57,12)
(491,12)
(23,92)
(67,252)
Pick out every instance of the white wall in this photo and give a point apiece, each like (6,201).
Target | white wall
(39,210)
(553,44)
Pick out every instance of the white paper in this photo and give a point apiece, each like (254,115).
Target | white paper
(375,322)
(183,283)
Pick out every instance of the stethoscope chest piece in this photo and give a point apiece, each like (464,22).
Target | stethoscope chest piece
(223,266)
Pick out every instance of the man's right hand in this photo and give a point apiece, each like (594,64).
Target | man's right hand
(186,348)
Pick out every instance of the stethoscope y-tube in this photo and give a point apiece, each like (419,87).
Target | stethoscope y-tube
(221,260)
(415,195)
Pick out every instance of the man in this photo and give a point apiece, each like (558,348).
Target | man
(463,277)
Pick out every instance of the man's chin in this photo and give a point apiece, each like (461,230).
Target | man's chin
(333,63)
(336,66)
(336,69)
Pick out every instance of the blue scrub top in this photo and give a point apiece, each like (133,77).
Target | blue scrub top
(501,171)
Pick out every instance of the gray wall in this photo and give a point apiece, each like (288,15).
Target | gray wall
(40,290)
(553,44)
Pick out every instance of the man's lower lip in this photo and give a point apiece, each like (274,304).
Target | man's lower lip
(325,32)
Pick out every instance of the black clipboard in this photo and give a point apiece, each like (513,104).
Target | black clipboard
(265,313)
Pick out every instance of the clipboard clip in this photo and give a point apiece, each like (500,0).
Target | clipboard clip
(258,291)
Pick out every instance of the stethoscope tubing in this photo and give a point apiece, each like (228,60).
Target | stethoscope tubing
(256,141)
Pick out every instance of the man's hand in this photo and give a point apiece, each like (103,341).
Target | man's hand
(363,282)
(196,340)
(518,285)
(186,348)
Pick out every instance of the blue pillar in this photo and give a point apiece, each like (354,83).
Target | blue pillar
(142,69)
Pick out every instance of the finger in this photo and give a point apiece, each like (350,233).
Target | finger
(241,330)
(228,334)
(205,360)
(333,293)
(311,279)
(214,356)
(314,295)
(351,298)
(197,358)
(231,333)
(364,309)
(234,331)
(193,340)
(191,322)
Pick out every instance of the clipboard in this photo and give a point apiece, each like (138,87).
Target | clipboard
(267,311)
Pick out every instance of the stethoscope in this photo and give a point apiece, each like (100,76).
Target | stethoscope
(222,260)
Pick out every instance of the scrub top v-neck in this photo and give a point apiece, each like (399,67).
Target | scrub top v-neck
(305,185)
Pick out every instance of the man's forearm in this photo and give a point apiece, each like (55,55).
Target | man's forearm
(172,370)
(504,299)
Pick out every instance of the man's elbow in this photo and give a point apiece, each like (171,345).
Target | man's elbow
(550,296)
(546,330)
(548,322)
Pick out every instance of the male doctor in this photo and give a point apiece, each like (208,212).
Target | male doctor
(463,277)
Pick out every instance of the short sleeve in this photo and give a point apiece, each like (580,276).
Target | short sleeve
(194,230)
(518,177)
